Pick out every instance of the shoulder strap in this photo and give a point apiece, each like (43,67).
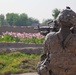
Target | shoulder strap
(61,41)
(68,38)
(64,42)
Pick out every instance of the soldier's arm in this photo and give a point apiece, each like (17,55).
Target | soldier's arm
(46,44)
(45,50)
(48,41)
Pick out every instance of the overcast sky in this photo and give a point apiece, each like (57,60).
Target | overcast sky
(39,9)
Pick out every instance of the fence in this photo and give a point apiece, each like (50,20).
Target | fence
(22,47)
(21,29)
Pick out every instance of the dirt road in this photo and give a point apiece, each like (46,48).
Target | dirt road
(26,74)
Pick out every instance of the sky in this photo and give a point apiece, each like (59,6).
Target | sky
(38,9)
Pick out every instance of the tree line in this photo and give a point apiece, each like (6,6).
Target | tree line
(14,19)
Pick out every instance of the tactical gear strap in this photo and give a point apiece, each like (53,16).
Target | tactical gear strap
(61,42)
(64,42)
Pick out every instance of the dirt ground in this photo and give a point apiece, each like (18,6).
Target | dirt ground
(26,74)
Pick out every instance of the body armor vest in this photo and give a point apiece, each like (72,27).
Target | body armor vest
(62,61)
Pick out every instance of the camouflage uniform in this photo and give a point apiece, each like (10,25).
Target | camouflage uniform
(62,60)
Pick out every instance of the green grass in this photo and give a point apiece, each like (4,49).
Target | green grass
(32,40)
(9,38)
(16,62)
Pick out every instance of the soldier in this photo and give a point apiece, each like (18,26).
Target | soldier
(60,47)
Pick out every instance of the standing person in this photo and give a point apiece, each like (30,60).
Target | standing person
(60,47)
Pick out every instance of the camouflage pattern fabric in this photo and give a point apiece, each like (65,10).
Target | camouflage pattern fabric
(62,61)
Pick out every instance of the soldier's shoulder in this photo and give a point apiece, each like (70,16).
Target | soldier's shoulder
(51,35)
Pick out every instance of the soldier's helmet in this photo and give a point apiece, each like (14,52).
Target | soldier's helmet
(67,17)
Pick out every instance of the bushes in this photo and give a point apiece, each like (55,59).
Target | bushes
(33,40)
(24,37)
(9,38)
(16,62)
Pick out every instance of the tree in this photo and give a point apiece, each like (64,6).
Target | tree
(32,21)
(12,18)
(2,20)
(55,13)
(22,20)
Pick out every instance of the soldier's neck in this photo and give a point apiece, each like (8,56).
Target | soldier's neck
(65,32)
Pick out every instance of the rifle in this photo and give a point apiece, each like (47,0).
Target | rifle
(43,67)
(51,27)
